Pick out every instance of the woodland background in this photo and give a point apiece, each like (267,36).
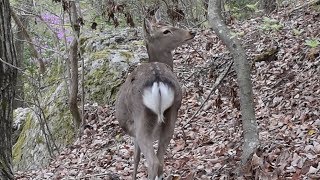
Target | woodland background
(65,60)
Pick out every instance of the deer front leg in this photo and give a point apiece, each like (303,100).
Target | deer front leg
(136,158)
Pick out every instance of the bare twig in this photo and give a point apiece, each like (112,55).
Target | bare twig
(198,53)
(41,47)
(96,175)
(198,24)
(215,85)
(35,53)
(312,2)
(67,73)
(83,101)
(15,67)
(39,112)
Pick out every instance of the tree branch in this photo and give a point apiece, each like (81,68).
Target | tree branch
(215,85)
(35,53)
(15,67)
(312,2)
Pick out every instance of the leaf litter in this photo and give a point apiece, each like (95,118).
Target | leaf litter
(287,100)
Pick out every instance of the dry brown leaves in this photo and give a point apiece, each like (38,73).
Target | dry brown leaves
(287,101)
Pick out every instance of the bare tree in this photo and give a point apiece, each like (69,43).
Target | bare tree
(20,45)
(8,76)
(250,127)
(73,57)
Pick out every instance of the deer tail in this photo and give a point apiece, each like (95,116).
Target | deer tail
(158,98)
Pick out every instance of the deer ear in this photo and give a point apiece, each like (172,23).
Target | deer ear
(147,28)
(157,16)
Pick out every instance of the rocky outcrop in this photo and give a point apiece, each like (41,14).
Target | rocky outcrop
(42,129)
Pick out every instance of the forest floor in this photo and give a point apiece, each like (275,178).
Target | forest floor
(286,84)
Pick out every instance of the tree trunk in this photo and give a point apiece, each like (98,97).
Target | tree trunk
(73,57)
(19,44)
(19,94)
(8,76)
(241,65)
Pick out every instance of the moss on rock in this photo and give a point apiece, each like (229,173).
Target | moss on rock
(63,130)
(101,82)
(100,54)
(18,147)
(128,55)
(105,60)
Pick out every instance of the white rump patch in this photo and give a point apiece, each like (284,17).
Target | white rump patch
(159,97)
(160,177)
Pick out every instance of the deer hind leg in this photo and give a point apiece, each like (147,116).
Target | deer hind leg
(137,153)
(166,133)
(144,140)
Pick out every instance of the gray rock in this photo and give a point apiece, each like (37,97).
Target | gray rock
(107,55)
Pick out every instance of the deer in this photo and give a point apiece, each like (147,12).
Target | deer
(148,101)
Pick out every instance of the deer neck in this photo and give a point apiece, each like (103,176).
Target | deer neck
(162,55)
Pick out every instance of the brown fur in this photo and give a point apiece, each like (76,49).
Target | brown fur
(134,117)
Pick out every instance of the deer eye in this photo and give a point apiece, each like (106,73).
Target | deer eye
(166,32)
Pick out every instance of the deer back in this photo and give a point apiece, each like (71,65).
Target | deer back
(131,101)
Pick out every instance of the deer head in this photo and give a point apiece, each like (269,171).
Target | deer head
(148,102)
(162,38)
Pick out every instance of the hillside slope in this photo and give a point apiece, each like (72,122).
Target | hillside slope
(286,79)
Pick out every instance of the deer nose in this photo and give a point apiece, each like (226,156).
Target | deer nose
(193,33)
